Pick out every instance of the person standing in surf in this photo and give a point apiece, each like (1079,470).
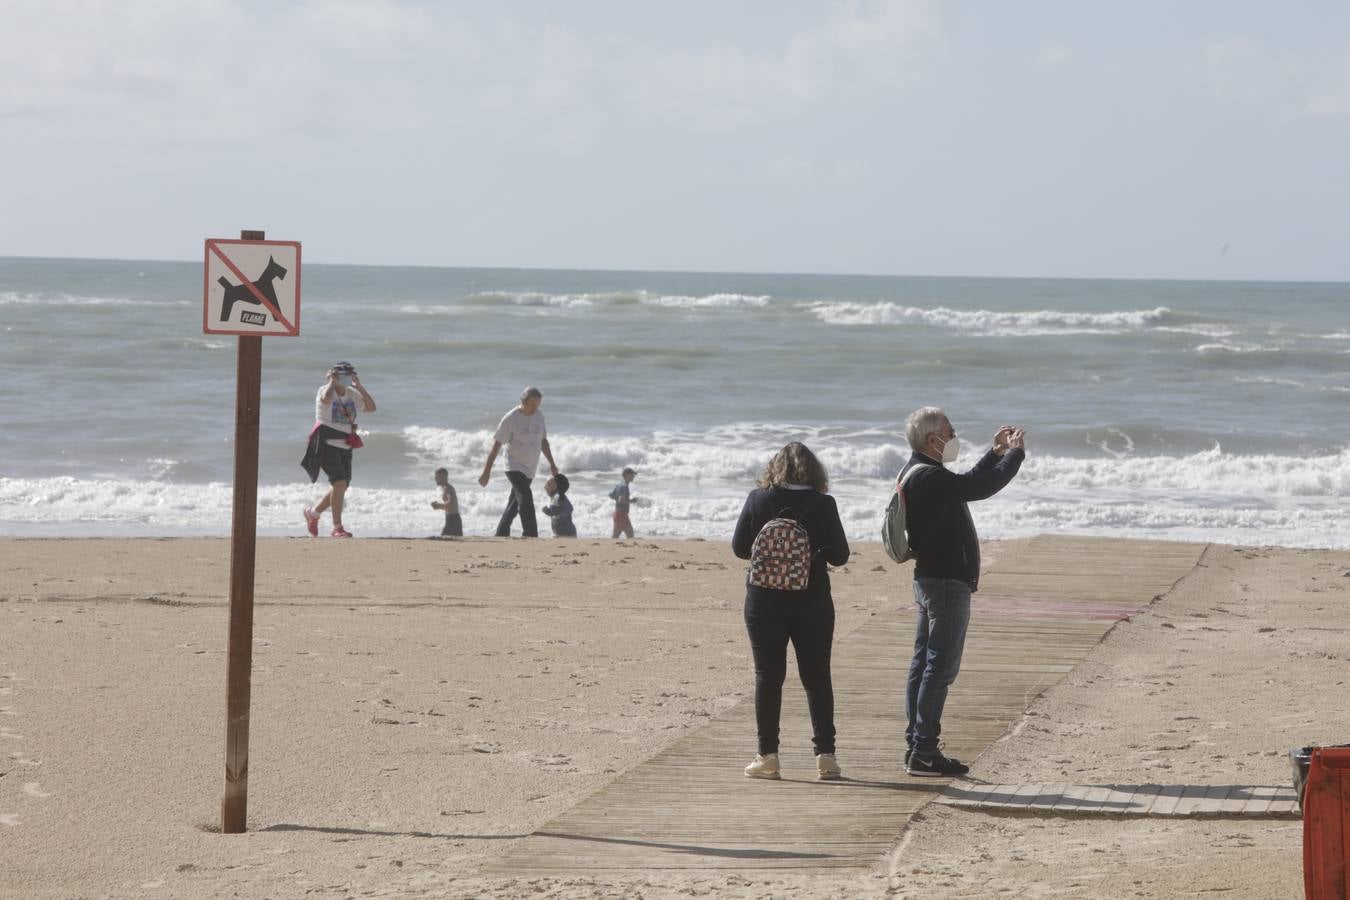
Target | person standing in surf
(622,500)
(449,503)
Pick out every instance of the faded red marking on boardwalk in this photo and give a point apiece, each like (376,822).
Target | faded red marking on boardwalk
(1059,609)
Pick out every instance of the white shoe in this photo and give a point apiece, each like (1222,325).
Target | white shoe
(827,769)
(764,766)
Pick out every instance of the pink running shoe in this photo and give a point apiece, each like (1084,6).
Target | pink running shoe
(341,532)
(311,522)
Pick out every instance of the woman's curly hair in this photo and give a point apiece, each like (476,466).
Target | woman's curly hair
(795,464)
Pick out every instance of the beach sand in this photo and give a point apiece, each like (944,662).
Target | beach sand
(419,705)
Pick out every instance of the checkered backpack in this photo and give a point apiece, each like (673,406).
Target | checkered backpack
(780,557)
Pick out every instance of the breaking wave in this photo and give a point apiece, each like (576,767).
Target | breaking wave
(988,322)
(15,298)
(695,484)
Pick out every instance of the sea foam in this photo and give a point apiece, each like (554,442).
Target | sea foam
(710,301)
(15,298)
(987,322)
(1212,495)
(495,301)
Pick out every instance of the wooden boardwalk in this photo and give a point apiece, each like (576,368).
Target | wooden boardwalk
(1217,801)
(1039,611)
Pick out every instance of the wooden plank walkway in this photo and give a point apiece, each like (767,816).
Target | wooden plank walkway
(1039,611)
(1220,801)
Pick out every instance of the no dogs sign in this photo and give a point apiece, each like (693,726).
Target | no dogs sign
(252,287)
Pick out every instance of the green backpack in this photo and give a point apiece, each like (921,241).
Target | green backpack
(893,534)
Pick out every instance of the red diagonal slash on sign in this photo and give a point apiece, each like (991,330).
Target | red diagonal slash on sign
(248,283)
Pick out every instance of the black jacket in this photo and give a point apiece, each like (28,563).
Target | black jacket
(816,512)
(312,461)
(937,519)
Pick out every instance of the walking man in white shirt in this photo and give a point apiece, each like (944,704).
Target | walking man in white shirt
(524,435)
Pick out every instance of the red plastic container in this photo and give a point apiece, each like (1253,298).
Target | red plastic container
(1326,825)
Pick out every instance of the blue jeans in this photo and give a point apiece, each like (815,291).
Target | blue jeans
(944,613)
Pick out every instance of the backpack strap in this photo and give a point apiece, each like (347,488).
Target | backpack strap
(797,517)
(899,488)
(901,479)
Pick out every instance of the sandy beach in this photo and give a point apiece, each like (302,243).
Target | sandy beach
(419,706)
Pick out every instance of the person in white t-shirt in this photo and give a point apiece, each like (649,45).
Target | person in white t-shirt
(523,434)
(333,439)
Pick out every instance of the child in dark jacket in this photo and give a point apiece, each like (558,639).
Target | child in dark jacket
(559,511)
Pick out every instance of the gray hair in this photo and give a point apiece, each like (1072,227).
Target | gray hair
(529,392)
(921,423)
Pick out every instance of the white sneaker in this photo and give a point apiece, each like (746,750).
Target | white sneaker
(764,766)
(827,768)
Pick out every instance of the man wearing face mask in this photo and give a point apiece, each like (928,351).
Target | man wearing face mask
(332,441)
(947,568)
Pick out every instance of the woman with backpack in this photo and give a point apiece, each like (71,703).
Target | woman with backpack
(789,529)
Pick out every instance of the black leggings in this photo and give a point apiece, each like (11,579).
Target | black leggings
(773,619)
(522,501)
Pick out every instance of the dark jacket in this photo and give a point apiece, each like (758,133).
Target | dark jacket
(816,512)
(559,513)
(312,462)
(937,519)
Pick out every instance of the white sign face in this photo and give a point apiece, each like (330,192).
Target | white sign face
(252,287)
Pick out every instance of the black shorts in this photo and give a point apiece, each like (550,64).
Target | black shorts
(336,462)
(454,526)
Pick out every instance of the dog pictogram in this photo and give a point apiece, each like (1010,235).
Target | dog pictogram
(241,292)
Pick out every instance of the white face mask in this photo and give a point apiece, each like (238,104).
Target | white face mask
(951,450)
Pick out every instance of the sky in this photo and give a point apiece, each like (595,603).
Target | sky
(1044,138)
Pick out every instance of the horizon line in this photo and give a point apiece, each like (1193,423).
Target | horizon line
(659,271)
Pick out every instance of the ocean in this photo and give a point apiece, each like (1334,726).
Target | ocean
(1211,411)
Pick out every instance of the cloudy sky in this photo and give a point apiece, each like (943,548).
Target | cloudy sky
(1204,139)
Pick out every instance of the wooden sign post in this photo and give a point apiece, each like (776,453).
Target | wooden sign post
(221,297)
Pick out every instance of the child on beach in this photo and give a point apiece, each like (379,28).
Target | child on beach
(454,525)
(559,511)
(622,524)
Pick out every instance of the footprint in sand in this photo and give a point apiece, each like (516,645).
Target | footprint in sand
(9,820)
(34,789)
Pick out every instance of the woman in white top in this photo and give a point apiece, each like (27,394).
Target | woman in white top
(335,408)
